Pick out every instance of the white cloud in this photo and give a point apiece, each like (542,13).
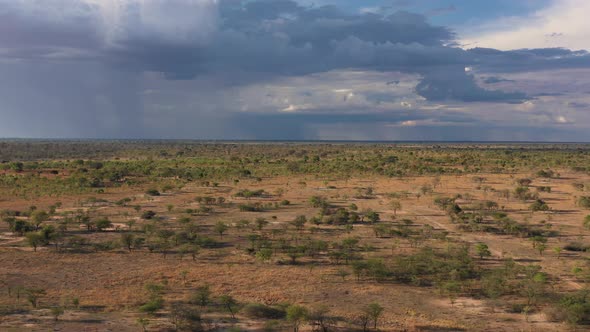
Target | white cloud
(410,123)
(564,23)
(561,119)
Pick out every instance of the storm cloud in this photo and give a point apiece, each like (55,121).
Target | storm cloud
(113,63)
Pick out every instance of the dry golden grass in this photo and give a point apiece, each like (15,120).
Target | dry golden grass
(111,283)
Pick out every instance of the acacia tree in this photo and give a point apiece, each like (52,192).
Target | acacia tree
(396,205)
(374,311)
(35,239)
(299,222)
(220,228)
(202,295)
(320,318)
(39,217)
(229,302)
(103,224)
(373,216)
(143,322)
(296,314)
(56,312)
(483,250)
(33,296)
(127,239)
(194,250)
(539,205)
(261,223)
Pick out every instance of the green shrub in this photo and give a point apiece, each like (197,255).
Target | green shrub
(152,192)
(152,306)
(584,202)
(256,310)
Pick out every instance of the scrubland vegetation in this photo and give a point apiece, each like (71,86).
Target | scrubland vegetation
(183,236)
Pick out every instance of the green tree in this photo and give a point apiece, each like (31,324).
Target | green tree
(220,228)
(152,192)
(533,286)
(127,240)
(296,314)
(56,312)
(185,318)
(483,250)
(342,273)
(35,239)
(33,296)
(299,222)
(264,254)
(143,322)
(320,318)
(373,216)
(318,202)
(395,205)
(539,205)
(374,311)
(202,295)
(229,303)
(17,167)
(103,223)
(261,223)
(382,230)
(38,217)
(148,215)
(155,301)
(17,225)
(451,288)
(557,251)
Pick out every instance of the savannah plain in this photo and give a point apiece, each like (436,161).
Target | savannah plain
(185,236)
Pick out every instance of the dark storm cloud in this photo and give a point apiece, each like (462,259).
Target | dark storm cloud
(96,56)
(29,34)
(495,79)
(447,83)
(447,126)
(274,123)
(528,59)
(268,126)
(579,105)
(265,39)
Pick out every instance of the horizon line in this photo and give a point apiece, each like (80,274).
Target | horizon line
(74,139)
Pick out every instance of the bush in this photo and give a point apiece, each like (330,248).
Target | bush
(318,202)
(246,193)
(256,207)
(576,307)
(256,310)
(152,306)
(147,215)
(539,205)
(103,224)
(517,308)
(584,202)
(202,296)
(545,173)
(576,246)
(152,192)
(523,193)
(524,182)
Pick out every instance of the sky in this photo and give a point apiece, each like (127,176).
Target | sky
(448,70)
